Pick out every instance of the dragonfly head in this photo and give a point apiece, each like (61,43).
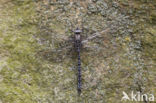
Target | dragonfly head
(77,31)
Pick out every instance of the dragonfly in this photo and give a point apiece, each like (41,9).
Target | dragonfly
(79,43)
(92,38)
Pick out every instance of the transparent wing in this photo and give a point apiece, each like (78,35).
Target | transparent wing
(100,45)
(59,51)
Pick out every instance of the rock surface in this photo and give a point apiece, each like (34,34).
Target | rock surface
(38,65)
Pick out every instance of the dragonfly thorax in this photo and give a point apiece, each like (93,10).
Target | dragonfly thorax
(77,37)
(77,34)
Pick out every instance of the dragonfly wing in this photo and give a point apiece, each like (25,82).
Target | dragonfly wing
(100,44)
(97,34)
(59,52)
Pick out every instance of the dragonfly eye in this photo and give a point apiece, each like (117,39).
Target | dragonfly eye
(78,31)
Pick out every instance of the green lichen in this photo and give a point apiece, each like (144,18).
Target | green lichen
(18,49)
(31,71)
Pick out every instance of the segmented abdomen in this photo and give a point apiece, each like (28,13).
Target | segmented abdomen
(79,67)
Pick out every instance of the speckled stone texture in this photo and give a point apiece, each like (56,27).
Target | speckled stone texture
(37,58)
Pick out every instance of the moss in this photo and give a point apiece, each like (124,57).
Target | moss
(20,46)
(32,71)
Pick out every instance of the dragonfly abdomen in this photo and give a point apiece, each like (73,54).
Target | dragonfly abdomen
(79,71)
